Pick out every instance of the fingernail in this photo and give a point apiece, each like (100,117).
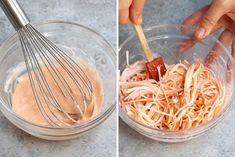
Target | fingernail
(200,33)
(139,20)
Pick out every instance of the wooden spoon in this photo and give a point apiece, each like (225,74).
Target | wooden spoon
(154,66)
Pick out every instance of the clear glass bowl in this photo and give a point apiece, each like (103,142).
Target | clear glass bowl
(74,38)
(164,40)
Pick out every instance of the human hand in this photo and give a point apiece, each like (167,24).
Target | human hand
(220,14)
(130,10)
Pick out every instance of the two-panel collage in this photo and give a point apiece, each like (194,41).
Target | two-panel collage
(117,78)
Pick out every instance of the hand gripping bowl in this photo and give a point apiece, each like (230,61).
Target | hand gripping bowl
(164,41)
(72,38)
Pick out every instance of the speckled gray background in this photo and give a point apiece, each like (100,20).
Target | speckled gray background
(219,142)
(96,14)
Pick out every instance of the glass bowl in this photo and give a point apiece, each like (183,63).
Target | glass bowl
(164,40)
(74,38)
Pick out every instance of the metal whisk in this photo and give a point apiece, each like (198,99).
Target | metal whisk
(46,63)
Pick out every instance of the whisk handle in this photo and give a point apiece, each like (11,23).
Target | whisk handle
(15,13)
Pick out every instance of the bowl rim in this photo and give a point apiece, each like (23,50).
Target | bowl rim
(178,26)
(197,128)
(103,114)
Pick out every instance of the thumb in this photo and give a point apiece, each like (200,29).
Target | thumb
(209,21)
(136,11)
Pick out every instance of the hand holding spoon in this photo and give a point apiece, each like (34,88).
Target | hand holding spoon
(155,66)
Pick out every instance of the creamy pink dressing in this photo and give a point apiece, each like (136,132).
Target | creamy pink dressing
(24,103)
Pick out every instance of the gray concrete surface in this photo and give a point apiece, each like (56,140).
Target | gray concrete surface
(219,142)
(97,143)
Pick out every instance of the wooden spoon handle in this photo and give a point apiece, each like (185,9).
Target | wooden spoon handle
(140,33)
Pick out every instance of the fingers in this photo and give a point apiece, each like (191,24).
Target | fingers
(124,6)
(226,39)
(212,16)
(124,16)
(194,19)
(189,43)
(131,10)
(233,46)
(136,10)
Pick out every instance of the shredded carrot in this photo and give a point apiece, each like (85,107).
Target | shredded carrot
(187,96)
